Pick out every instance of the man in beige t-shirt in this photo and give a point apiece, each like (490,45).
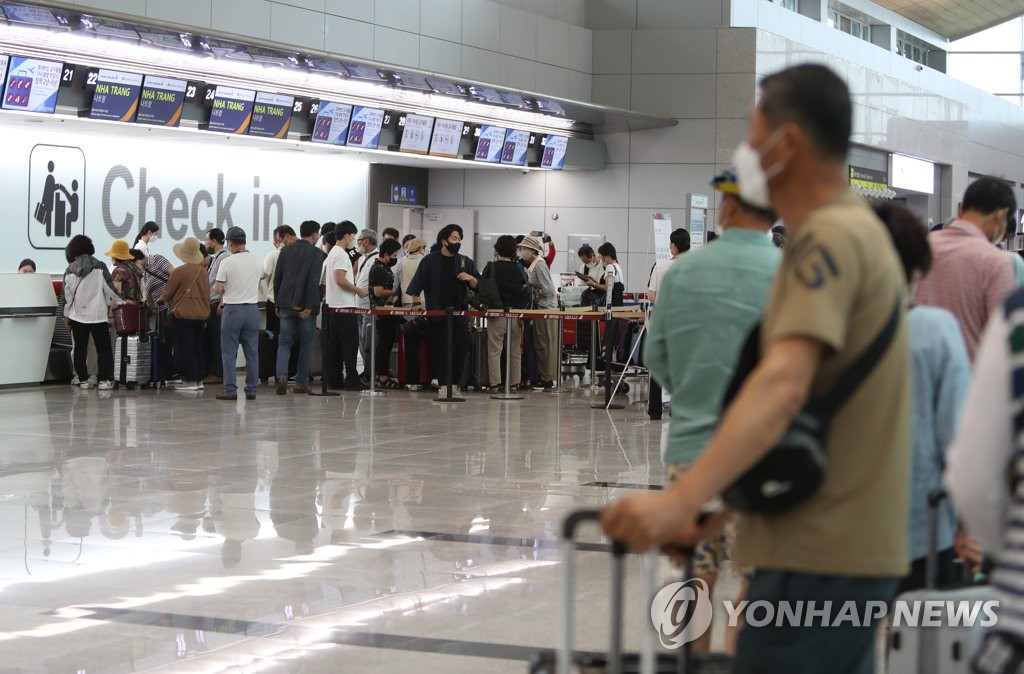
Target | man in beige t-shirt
(838,284)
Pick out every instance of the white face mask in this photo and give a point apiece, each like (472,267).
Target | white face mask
(752,178)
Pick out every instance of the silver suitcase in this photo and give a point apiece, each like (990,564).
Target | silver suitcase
(132,361)
(945,649)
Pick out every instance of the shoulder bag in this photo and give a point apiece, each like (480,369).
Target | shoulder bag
(794,469)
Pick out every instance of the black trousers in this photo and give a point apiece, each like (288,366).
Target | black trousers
(342,350)
(387,333)
(189,338)
(212,362)
(437,334)
(100,333)
(654,404)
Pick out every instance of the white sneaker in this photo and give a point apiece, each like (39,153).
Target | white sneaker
(106,386)
(201,385)
(90,383)
(75,381)
(188,386)
(456,392)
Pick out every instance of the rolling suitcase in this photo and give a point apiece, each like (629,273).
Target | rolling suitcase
(565,661)
(419,342)
(474,373)
(132,357)
(946,649)
(160,353)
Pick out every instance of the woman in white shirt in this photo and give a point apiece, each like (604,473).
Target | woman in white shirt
(147,233)
(88,293)
(613,280)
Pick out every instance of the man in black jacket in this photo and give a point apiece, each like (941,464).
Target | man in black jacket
(445,277)
(297,296)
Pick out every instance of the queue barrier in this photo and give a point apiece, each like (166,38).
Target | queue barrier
(580,314)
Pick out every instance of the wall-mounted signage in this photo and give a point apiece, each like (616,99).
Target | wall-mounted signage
(446,138)
(513,152)
(32,85)
(105,181)
(909,173)
(404,194)
(868,179)
(116,96)
(332,120)
(232,110)
(490,144)
(553,156)
(161,101)
(364,130)
(271,115)
(416,134)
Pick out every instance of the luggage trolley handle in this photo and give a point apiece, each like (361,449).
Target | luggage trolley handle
(564,658)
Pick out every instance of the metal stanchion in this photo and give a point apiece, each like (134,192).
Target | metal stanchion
(507,395)
(373,357)
(607,404)
(561,354)
(449,318)
(594,328)
(325,331)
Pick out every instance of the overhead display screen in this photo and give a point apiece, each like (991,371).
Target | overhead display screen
(110,27)
(161,101)
(486,94)
(232,110)
(513,152)
(332,122)
(554,152)
(271,115)
(444,87)
(359,71)
(411,81)
(489,146)
(446,138)
(36,16)
(416,134)
(116,96)
(4,58)
(166,39)
(364,131)
(32,85)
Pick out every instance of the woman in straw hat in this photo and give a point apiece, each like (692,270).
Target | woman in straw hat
(188,295)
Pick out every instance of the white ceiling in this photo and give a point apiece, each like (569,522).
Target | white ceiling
(957,18)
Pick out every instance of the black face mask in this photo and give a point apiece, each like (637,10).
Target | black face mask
(392,262)
(454,248)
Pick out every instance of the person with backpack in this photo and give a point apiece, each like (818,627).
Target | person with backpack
(502,287)
(88,293)
(444,278)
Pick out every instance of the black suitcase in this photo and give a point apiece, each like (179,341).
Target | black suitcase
(160,353)
(564,660)
(474,373)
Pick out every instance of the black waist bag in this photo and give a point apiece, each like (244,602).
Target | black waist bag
(795,467)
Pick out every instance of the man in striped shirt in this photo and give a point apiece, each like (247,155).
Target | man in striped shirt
(984,477)
(970,277)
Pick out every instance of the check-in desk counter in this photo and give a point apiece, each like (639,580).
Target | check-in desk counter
(27,307)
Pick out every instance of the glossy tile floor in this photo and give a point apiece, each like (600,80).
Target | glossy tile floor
(164,531)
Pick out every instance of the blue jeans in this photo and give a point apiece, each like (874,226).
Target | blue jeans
(290,324)
(240,324)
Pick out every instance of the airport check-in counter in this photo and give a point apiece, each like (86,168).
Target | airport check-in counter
(27,307)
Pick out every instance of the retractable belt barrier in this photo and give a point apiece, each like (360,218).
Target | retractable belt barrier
(525,314)
(582,314)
